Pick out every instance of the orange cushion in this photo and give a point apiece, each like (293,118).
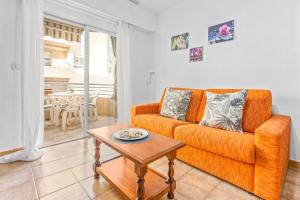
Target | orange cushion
(257,110)
(237,146)
(193,106)
(158,124)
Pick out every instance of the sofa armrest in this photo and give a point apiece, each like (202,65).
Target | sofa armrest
(143,109)
(272,145)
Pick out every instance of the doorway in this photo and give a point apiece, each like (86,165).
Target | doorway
(79,80)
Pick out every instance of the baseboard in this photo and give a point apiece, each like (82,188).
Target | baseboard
(294,164)
(3,153)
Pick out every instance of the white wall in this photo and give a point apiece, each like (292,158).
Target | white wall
(265,53)
(142,62)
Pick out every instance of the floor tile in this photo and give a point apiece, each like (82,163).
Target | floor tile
(54,134)
(177,196)
(196,185)
(218,194)
(83,171)
(65,173)
(290,191)
(293,177)
(17,185)
(48,157)
(158,162)
(69,148)
(229,191)
(72,192)
(104,150)
(180,168)
(54,182)
(13,178)
(14,167)
(60,165)
(26,191)
(109,195)
(90,144)
(291,187)
(95,188)
(80,142)
(72,148)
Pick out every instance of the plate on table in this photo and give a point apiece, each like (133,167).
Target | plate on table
(131,134)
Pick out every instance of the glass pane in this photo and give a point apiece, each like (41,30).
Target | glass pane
(64,81)
(102,96)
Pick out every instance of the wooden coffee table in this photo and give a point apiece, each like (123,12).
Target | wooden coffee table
(130,173)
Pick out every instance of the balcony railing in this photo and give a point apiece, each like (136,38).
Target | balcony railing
(101,90)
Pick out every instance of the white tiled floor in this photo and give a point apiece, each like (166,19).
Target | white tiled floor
(65,173)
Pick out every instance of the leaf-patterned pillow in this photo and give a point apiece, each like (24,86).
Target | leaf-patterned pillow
(176,103)
(224,111)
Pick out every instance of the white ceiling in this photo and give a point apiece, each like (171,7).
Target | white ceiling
(158,5)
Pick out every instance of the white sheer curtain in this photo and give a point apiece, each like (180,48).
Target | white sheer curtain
(30,19)
(124,38)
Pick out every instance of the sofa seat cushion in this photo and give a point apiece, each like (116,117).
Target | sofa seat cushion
(158,124)
(237,146)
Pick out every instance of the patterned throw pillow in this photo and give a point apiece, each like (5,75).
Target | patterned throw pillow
(224,111)
(176,103)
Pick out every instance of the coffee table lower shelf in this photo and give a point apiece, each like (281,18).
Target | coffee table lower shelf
(121,174)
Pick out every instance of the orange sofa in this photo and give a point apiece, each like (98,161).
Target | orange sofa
(256,161)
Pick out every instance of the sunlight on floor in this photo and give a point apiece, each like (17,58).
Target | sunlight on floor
(53,134)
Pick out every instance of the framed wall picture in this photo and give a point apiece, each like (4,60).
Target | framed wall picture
(221,32)
(179,42)
(196,54)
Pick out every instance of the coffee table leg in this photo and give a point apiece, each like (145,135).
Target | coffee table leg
(140,172)
(97,159)
(171,181)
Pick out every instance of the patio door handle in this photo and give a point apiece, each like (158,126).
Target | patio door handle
(15,67)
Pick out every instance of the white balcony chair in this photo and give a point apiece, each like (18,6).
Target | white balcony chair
(49,106)
(59,104)
(93,110)
(71,111)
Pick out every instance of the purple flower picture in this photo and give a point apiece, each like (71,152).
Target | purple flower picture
(221,32)
(196,54)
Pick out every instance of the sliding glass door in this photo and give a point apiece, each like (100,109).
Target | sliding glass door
(64,78)
(79,78)
(101,105)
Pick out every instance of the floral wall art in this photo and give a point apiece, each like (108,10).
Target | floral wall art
(179,42)
(196,54)
(216,34)
(221,32)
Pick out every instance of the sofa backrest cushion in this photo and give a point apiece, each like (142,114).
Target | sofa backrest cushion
(193,106)
(258,107)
